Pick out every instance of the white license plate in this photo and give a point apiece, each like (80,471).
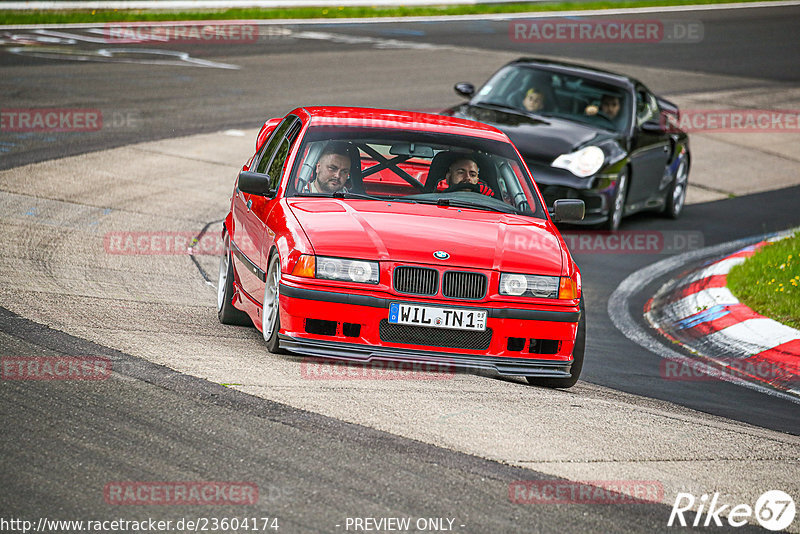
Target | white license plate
(436,317)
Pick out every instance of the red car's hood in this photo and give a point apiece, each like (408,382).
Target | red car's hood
(404,232)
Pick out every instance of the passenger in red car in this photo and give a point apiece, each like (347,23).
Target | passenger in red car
(464,171)
(333,170)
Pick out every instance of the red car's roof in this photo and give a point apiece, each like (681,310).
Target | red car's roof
(408,120)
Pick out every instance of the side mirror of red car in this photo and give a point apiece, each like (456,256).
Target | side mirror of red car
(568,210)
(255,184)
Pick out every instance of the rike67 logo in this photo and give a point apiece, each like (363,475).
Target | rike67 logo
(774,510)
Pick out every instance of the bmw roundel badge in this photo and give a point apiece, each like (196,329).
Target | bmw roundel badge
(441,255)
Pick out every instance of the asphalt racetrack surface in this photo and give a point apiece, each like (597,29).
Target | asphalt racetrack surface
(192,400)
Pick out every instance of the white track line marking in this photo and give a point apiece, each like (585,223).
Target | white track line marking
(182,59)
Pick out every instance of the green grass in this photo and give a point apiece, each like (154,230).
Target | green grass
(769,281)
(77,16)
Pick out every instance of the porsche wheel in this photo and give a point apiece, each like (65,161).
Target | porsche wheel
(270,316)
(577,363)
(618,204)
(225,311)
(676,197)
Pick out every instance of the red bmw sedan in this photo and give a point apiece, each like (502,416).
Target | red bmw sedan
(365,234)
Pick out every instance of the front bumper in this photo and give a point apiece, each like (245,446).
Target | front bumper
(349,326)
(366,354)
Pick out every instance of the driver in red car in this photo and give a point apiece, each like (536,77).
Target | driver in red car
(332,170)
(464,171)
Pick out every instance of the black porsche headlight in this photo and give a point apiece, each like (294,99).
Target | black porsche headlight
(583,163)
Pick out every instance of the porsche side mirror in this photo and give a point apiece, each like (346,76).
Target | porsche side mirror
(464,89)
(255,184)
(568,210)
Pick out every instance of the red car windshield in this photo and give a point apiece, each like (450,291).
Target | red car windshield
(412,166)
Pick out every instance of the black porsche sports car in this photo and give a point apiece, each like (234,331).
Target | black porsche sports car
(587,134)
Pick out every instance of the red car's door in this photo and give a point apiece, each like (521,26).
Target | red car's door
(248,211)
(250,238)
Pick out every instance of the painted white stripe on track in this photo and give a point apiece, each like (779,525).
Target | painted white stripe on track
(720,267)
(73,36)
(753,336)
(356,39)
(702,300)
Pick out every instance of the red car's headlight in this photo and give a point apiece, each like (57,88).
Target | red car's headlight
(529,285)
(533,285)
(342,269)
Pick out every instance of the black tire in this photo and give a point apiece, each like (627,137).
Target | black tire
(225,310)
(618,205)
(270,313)
(676,195)
(577,364)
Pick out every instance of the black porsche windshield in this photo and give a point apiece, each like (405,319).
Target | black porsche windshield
(410,166)
(545,93)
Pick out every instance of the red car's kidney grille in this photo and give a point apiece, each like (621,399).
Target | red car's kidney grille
(435,337)
(464,285)
(416,280)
